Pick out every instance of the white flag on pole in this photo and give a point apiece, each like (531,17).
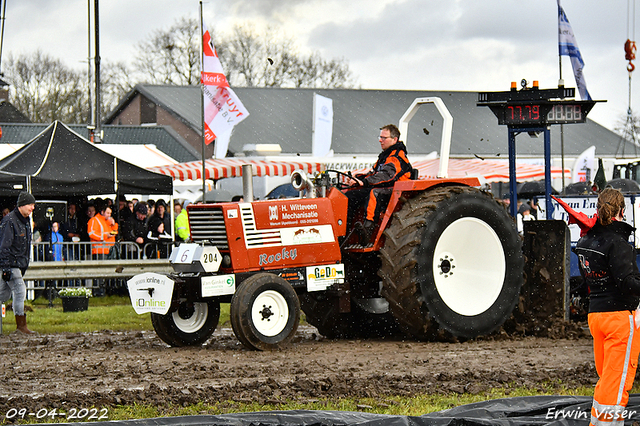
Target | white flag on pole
(584,168)
(222,108)
(322,126)
(222,144)
(568,46)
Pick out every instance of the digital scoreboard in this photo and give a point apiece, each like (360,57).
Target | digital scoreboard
(542,113)
(536,108)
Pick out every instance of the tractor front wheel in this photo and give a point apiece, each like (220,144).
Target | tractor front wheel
(265,312)
(191,324)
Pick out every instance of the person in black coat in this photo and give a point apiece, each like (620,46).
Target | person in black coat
(15,245)
(135,228)
(160,228)
(608,264)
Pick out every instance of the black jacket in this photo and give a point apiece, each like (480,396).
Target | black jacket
(154,223)
(608,264)
(15,241)
(134,228)
(392,165)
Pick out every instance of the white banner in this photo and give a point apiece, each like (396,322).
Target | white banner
(222,144)
(584,168)
(222,108)
(322,126)
(568,46)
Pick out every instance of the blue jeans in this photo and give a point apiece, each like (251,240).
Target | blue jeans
(17,287)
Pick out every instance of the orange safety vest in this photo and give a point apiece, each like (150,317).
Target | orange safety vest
(101,232)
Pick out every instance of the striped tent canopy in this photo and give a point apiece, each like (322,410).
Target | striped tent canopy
(490,170)
(216,169)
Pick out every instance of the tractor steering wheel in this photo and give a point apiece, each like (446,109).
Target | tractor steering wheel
(339,184)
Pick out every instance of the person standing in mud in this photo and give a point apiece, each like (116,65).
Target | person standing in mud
(15,245)
(608,264)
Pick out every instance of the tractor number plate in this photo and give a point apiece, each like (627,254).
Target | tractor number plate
(197,258)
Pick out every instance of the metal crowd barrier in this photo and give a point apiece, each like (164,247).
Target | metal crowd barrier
(105,273)
(127,250)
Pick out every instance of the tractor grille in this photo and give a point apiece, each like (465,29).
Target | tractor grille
(257,238)
(207,225)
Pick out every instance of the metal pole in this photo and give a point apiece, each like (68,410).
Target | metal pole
(561,84)
(90,121)
(513,189)
(547,172)
(4,8)
(202,106)
(98,135)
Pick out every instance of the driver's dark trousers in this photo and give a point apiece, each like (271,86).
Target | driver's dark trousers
(376,200)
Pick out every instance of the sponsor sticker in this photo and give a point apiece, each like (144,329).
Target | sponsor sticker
(321,277)
(218,285)
(232,213)
(307,235)
(150,292)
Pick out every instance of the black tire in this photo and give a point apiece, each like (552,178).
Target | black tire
(265,312)
(452,254)
(191,324)
(322,311)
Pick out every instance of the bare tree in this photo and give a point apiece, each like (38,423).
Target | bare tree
(44,89)
(171,56)
(629,129)
(249,59)
(116,81)
(270,60)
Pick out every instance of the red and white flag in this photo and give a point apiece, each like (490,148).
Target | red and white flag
(222,108)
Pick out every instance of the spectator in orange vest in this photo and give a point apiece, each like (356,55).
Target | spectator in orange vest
(102,229)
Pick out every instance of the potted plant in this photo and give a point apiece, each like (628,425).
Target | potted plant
(75,299)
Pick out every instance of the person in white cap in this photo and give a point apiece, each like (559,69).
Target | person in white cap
(15,244)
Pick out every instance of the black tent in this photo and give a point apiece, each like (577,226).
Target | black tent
(60,162)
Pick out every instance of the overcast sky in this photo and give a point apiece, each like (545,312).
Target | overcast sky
(461,45)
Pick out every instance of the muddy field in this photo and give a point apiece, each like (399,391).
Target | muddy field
(110,368)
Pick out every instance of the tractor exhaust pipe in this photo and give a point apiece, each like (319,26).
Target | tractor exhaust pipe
(247,183)
(301,181)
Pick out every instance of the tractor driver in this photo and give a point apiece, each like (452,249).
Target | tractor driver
(374,188)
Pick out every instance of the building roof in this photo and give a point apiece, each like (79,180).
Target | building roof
(163,137)
(284,116)
(9,113)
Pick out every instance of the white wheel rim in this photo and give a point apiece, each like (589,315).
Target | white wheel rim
(196,321)
(469,266)
(270,313)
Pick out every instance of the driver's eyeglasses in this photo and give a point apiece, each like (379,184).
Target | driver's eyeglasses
(385,137)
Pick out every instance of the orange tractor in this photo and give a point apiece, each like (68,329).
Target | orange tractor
(445,256)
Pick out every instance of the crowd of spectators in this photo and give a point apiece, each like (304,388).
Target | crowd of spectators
(142,229)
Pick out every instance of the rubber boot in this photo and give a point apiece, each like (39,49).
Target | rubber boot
(367,232)
(21,324)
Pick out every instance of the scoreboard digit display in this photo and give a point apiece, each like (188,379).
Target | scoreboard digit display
(522,114)
(566,114)
(536,114)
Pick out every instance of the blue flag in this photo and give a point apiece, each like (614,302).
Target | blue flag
(569,47)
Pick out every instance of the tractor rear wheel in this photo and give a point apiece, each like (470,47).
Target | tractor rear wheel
(452,254)
(265,312)
(191,324)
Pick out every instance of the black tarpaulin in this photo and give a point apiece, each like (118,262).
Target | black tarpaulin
(60,162)
(522,411)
